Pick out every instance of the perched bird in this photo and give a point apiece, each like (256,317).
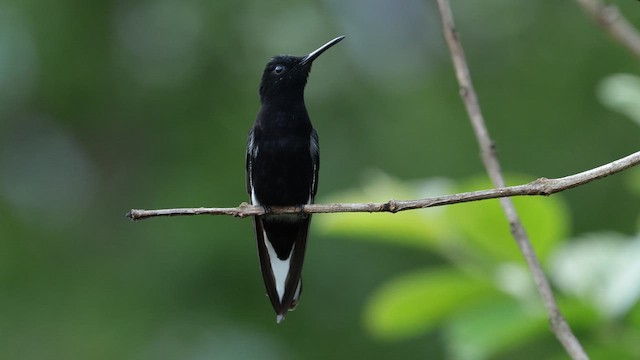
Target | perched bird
(282,160)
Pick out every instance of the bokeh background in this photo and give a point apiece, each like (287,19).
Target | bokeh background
(111,105)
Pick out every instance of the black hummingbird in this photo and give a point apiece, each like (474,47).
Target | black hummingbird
(282,160)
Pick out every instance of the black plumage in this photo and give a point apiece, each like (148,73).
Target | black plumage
(282,161)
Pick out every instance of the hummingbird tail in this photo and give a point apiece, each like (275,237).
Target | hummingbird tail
(282,242)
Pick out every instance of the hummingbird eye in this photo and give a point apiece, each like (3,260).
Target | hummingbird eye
(278,69)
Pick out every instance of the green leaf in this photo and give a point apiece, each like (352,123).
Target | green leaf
(413,228)
(621,93)
(493,326)
(414,303)
(616,350)
(546,220)
(601,269)
(633,180)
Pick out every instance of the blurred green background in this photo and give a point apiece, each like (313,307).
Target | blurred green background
(111,105)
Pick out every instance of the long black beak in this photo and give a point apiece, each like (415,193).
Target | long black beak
(312,56)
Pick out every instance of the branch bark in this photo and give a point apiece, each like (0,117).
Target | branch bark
(614,23)
(542,186)
(490,159)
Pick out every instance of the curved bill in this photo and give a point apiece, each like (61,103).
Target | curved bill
(312,56)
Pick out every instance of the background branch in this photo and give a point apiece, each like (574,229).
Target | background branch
(490,158)
(614,23)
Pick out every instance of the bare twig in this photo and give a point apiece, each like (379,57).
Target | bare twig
(614,23)
(490,158)
(541,186)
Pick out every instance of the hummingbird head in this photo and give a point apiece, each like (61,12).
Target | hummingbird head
(286,75)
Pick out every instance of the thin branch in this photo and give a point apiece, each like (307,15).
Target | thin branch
(614,23)
(490,158)
(541,186)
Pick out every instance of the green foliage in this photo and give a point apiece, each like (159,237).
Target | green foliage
(484,299)
(111,105)
(411,228)
(417,302)
(633,181)
(493,325)
(601,269)
(482,223)
(621,92)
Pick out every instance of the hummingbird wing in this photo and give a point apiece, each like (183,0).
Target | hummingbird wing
(314,148)
(282,239)
(250,155)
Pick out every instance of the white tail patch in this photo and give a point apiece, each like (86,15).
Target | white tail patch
(280,268)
